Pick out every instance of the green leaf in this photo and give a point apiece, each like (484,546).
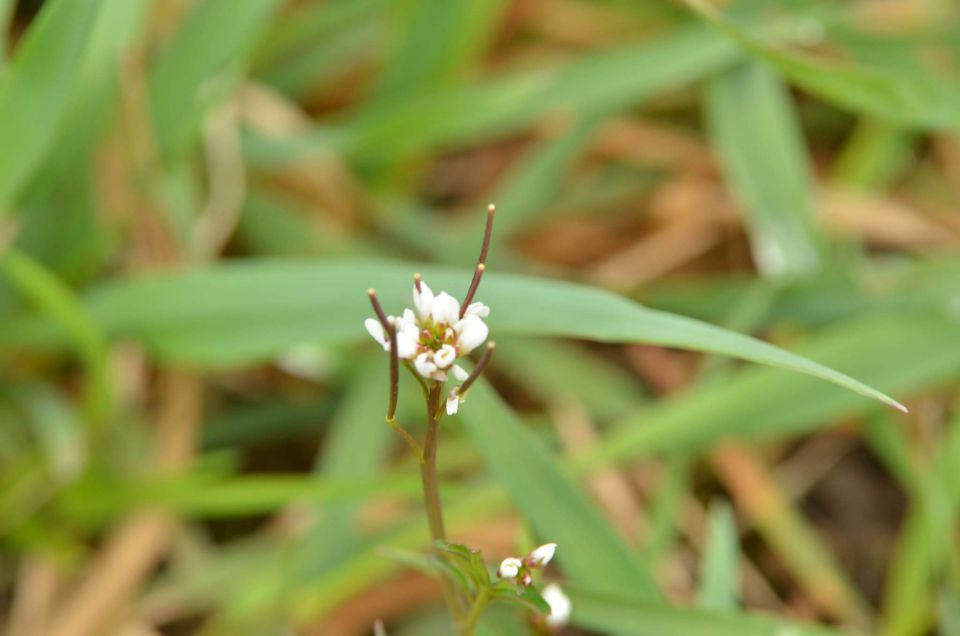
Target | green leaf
(756,131)
(609,613)
(244,312)
(898,353)
(214,38)
(913,97)
(34,87)
(513,102)
(527,597)
(719,575)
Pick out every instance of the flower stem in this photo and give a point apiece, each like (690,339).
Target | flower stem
(431,490)
(476,610)
(428,467)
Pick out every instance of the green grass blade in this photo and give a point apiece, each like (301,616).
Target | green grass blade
(53,297)
(719,564)
(516,101)
(760,143)
(245,312)
(589,549)
(215,37)
(34,87)
(624,616)
(896,353)
(913,97)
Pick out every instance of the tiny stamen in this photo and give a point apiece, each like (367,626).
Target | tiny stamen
(416,282)
(481,262)
(477,370)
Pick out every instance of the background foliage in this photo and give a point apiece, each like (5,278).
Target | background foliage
(196,194)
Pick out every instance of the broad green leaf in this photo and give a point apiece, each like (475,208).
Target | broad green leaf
(589,550)
(606,613)
(248,311)
(34,88)
(760,143)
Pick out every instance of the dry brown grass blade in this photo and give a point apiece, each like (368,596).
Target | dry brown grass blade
(757,495)
(134,548)
(611,489)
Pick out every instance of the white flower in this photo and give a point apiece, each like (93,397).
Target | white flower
(541,556)
(422,299)
(445,356)
(559,603)
(375,329)
(509,568)
(406,335)
(471,332)
(433,334)
(478,309)
(445,309)
(453,401)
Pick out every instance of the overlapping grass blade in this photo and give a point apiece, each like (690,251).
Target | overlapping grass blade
(758,138)
(249,311)
(34,88)
(605,613)
(551,501)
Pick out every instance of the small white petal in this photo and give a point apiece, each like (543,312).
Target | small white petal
(472,332)
(406,344)
(477,309)
(460,373)
(408,320)
(453,402)
(424,364)
(375,329)
(423,300)
(542,555)
(446,309)
(559,603)
(509,568)
(445,356)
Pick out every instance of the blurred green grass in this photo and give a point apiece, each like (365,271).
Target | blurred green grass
(195,195)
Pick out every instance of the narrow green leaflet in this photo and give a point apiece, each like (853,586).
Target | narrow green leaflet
(33,89)
(760,144)
(250,311)
(606,614)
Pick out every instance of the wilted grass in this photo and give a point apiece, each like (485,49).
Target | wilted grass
(196,196)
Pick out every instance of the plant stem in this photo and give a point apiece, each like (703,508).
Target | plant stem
(479,604)
(431,490)
(428,467)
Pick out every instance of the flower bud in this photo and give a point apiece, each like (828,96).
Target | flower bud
(541,556)
(509,568)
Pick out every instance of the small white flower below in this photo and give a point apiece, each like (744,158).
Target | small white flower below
(560,605)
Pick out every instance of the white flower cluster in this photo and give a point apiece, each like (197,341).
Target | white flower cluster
(520,570)
(435,335)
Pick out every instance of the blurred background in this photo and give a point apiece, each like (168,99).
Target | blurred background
(785,169)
